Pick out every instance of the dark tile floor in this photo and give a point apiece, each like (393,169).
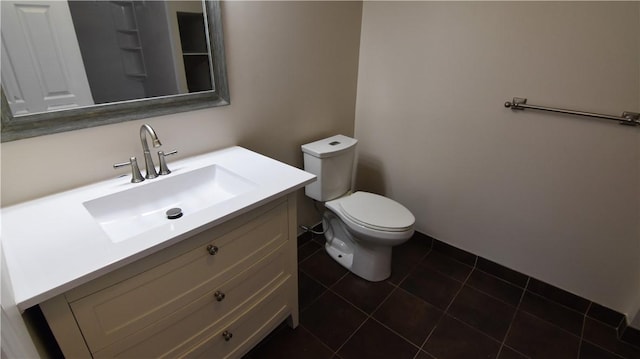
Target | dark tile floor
(440,302)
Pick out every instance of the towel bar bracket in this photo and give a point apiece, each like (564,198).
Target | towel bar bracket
(632,118)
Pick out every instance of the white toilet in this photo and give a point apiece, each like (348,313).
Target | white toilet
(361,227)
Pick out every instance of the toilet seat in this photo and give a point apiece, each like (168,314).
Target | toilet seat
(374,212)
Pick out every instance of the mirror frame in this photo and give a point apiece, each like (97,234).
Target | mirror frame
(15,128)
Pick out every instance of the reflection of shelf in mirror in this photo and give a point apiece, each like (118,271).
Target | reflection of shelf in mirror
(128,31)
(133,62)
(195,54)
(129,48)
(123,14)
(128,39)
(139,75)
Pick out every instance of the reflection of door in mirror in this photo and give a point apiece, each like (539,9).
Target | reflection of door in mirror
(42,67)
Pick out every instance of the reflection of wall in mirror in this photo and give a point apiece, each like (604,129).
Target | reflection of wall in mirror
(42,68)
(126,48)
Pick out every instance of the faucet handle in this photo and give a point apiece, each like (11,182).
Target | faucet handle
(136,176)
(164,170)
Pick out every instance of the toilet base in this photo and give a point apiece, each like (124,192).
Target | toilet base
(372,263)
(346,260)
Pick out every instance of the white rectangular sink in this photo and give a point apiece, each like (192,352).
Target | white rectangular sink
(78,235)
(123,215)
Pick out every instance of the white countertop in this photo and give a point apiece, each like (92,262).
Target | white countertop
(53,244)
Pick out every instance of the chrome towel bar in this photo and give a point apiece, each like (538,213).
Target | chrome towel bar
(627,118)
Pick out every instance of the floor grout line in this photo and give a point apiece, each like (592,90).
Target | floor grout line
(547,321)
(584,323)
(506,334)
(562,305)
(444,312)
(620,356)
(318,339)
(490,295)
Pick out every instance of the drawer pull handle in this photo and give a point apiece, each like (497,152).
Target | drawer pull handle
(227,335)
(219,295)
(212,249)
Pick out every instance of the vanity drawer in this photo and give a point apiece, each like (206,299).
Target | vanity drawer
(182,329)
(247,330)
(126,308)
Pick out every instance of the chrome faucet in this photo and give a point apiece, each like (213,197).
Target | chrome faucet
(148,161)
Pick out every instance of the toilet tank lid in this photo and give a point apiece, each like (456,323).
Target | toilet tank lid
(329,147)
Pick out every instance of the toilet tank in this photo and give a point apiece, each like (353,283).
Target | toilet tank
(331,160)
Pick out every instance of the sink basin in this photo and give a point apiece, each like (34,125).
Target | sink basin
(125,214)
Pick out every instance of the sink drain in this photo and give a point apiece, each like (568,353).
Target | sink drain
(174,213)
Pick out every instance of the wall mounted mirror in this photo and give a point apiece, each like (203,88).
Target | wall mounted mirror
(75,64)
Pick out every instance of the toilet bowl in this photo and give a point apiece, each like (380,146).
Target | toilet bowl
(360,228)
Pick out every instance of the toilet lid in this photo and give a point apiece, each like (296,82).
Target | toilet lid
(377,212)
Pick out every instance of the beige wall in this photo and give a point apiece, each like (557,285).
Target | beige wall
(553,196)
(292,70)
(636,320)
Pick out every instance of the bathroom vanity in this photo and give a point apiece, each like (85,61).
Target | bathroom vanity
(211,283)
